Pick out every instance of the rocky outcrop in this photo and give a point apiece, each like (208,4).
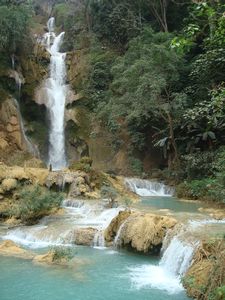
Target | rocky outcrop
(11,135)
(51,258)
(78,182)
(9,248)
(143,232)
(207,272)
(114,226)
(84,236)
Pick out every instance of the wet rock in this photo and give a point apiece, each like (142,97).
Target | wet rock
(142,232)
(114,226)
(84,236)
(9,248)
(50,259)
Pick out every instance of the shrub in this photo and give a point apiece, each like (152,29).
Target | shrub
(35,202)
(83,165)
(60,253)
(136,166)
(204,189)
(197,165)
(109,192)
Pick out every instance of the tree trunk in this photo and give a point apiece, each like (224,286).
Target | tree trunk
(172,137)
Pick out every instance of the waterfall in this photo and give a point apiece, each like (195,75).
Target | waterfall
(177,256)
(146,188)
(56,94)
(99,239)
(117,240)
(31,148)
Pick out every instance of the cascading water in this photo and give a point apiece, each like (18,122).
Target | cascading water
(167,275)
(146,188)
(31,148)
(56,94)
(19,80)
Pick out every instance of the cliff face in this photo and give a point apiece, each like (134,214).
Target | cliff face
(11,135)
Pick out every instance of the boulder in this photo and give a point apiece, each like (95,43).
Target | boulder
(115,224)
(143,232)
(49,258)
(84,236)
(9,248)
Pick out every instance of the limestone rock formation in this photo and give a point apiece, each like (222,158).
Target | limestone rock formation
(143,232)
(84,236)
(114,226)
(9,248)
(207,271)
(11,135)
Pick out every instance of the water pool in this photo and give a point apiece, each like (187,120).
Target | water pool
(104,275)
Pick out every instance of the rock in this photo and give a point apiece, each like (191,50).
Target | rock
(143,232)
(49,258)
(34,163)
(9,184)
(9,248)
(115,224)
(207,270)
(3,144)
(84,236)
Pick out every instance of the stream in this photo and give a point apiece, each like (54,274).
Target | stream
(104,273)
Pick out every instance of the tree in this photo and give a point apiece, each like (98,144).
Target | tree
(14,26)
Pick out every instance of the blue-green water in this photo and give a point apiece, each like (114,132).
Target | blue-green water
(171,203)
(105,275)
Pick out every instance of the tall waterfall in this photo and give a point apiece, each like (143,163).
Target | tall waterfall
(56,94)
(147,188)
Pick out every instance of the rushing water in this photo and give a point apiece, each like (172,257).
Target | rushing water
(56,93)
(103,273)
(146,188)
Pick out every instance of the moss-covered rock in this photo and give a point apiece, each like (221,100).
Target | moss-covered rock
(207,273)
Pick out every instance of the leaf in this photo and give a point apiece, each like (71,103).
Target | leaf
(212,135)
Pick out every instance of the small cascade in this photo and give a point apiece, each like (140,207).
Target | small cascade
(147,188)
(56,91)
(31,148)
(176,259)
(117,240)
(178,256)
(71,203)
(99,239)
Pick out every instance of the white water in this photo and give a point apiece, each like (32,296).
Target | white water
(117,240)
(60,229)
(146,188)
(56,93)
(178,251)
(167,275)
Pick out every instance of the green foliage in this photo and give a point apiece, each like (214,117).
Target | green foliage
(62,253)
(197,165)
(109,192)
(14,22)
(83,165)
(218,293)
(35,202)
(136,166)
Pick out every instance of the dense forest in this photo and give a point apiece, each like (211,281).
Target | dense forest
(152,69)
